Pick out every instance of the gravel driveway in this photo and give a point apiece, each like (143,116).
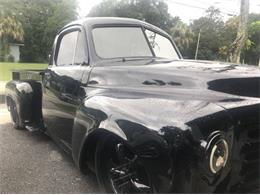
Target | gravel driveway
(32,163)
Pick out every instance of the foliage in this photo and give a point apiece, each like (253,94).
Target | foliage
(251,49)
(217,36)
(211,28)
(10,29)
(10,58)
(151,11)
(228,36)
(251,53)
(183,37)
(41,20)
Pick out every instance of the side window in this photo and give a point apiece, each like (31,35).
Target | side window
(67,49)
(81,53)
(161,45)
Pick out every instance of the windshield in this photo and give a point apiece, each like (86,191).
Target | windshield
(129,42)
(115,42)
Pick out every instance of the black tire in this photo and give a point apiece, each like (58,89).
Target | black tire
(15,117)
(107,160)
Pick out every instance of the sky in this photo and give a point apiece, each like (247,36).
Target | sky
(187,10)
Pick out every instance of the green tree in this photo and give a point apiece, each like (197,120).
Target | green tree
(62,13)
(41,20)
(152,11)
(250,50)
(228,36)
(183,37)
(211,27)
(251,54)
(10,29)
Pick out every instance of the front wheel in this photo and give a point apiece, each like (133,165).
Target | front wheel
(119,170)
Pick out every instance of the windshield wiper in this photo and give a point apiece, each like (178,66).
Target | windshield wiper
(124,59)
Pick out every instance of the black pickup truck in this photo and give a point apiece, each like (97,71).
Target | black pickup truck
(119,98)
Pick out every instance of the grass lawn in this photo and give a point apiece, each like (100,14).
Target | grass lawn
(7,67)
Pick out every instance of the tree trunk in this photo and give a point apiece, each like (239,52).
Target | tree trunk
(238,44)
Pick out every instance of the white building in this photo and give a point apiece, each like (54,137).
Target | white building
(15,51)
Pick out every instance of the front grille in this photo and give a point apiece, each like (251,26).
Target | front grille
(250,167)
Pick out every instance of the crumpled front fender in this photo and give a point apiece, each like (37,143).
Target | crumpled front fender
(166,134)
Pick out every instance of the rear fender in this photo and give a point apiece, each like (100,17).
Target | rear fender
(27,96)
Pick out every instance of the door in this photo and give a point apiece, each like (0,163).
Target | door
(62,83)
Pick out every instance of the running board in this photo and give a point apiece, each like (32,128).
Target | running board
(35,127)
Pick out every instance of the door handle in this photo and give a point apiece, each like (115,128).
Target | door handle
(47,74)
(44,73)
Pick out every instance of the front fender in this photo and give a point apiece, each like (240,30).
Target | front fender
(94,115)
(163,132)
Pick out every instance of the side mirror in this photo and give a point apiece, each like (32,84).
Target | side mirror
(42,73)
(50,59)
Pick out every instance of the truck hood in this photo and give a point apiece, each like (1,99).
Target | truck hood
(184,79)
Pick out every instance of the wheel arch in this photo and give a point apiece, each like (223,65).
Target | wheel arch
(89,146)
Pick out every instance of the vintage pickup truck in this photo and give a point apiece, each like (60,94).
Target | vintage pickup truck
(120,99)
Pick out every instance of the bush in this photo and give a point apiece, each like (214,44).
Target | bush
(2,58)
(10,58)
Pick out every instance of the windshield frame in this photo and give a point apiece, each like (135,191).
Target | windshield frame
(143,28)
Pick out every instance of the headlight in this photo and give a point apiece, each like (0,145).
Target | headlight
(217,152)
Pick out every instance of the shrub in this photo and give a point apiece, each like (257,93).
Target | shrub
(10,58)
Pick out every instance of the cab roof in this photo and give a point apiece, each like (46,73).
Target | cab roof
(92,21)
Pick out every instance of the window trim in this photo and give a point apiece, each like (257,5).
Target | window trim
(147,40)
(60,36)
